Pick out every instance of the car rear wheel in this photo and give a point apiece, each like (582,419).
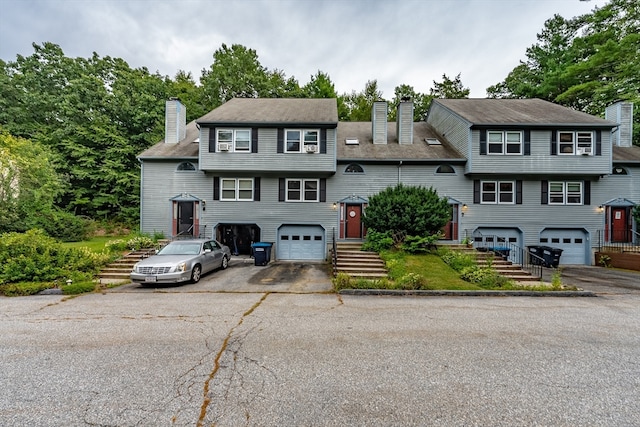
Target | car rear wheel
(225,262)
(196,273)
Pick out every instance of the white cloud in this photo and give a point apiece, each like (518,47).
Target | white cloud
(396,42)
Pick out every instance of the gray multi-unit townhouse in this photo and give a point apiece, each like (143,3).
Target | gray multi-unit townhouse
(286,171)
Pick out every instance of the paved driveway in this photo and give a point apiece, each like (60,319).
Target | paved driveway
(243,276)
(602,281)
(282,359)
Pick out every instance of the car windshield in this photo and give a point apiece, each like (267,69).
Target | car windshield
(180,249)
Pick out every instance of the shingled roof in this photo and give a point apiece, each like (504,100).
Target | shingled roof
(273,111)
(366,150)
(626,154)
(185,149)
(526,112)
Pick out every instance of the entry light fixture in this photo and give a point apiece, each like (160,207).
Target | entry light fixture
(204,205)
(464,208)
(600,208)
(335,206)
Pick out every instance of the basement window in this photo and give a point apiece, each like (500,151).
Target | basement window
(432,141)
(351,141)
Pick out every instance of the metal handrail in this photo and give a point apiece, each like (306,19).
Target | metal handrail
(633,245)
(523,257)
(334,253)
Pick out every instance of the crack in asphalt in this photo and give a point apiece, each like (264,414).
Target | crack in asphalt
(216,365)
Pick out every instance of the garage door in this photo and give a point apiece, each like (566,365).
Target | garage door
(573,242)
(495,236)
(301,242)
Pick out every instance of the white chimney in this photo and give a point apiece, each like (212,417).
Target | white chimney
(621,113)
(379,122)
(404,121)
(175,121)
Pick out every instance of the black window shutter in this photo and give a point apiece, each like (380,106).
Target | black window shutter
(518,192)
(476,191)
(216,188)
(586,189)
(323,189)
(544,194)
(254,140)
(256,189)
(598,143)
(280,141)
(212,140)
(282,189)
(554,146)
(527,142)
(323,141)
(483,142)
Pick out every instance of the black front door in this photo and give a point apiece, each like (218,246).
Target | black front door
(185,218)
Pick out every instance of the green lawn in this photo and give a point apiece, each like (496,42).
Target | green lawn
(97,243)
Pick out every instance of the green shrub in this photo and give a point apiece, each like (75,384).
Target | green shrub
(24,288)
(63,226)
(412,281)
(485,278)
(417,244)
(377,241)
(414,210)
(76,288)
(35,257)
(457,260)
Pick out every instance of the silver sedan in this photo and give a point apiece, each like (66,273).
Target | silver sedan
(181,261)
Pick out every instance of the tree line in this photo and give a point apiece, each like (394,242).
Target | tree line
(86,119)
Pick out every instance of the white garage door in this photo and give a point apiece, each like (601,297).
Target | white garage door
(573,242)
(497,237)
(301,242)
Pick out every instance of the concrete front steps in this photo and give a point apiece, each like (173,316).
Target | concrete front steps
(353,261)
(120,269)
(505,268)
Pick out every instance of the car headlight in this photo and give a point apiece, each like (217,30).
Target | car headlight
(135,268)
(181,267)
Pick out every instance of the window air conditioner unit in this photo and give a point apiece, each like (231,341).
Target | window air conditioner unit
(311,148)
(224,146)
(585,151)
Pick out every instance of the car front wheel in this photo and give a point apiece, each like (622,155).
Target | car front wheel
(225,262)
(196,273)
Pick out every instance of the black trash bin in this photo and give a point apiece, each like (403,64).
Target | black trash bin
(551,256)
(535,255)
(261,252)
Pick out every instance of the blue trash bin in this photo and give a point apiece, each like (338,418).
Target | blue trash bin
(261,253)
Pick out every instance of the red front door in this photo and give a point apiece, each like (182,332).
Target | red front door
(352,222)
(619,226)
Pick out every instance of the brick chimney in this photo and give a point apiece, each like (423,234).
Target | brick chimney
(175,121)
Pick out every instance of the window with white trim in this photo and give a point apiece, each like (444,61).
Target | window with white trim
(302,190)
(504,142)
(302,141)
(570,142)
(237,140)
(497,192)
(236,189)
(565,193)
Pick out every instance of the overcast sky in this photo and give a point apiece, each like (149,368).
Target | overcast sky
(396,42)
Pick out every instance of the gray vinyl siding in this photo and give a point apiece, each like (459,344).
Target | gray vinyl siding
(541,161)
(267,159)
(161,182)
(452,127)
(531,217)
(269,213)
(617,186)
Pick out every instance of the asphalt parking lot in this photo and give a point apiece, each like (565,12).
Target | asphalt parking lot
(192,355)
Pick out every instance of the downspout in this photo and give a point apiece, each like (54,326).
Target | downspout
(141,190)
(400,172)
